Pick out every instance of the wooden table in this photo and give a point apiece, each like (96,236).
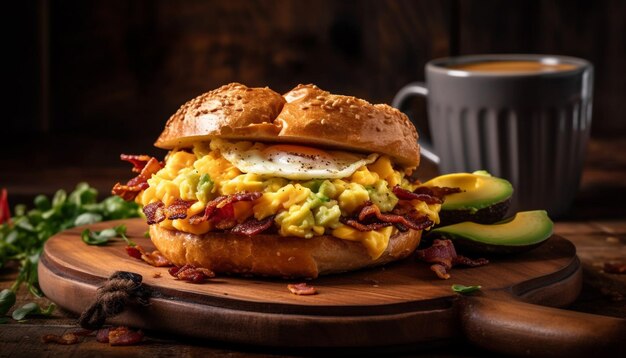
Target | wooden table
(596,225)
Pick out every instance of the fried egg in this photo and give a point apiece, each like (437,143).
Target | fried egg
(291,161)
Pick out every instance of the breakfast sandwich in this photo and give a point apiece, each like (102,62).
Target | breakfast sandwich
(294,185)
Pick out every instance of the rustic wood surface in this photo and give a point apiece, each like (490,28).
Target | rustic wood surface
(598,297)
(378,307)
(403,296)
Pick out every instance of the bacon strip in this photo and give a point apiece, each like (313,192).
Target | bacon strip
(154,258)
(437,191)
(220,210)
(404,218)
(302,289)
(102,335)
(178,209)
(122,336)
(443,256)
(66,339)
(411,219)
(155,212)
(132,251)
(253,226)
(138,161)
(191,273)
(363,227)
(429,195)
(133,187)
(404,194)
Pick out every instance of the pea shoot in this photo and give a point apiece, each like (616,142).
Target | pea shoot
(22,237)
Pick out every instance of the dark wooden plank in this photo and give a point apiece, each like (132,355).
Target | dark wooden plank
(130,65)
(592,300)
(594,30)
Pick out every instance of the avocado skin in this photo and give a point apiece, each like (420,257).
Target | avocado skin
(524,232)
(488,215)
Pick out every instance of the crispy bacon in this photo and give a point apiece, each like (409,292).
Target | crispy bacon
(466,261)
(363,227)
(155,212)
(302,289)
(220,210)
(615,267)
(437,191)
(440,271)
(404,194)
(128,192)
(427,194)
(178,209)
(443,256)
(122,336)
(253,226)
(66,339)
(138,161)
(407,218)
(224,217)
(191,273)
(132,251)
(103,335)
(133,187)
(154,258)
(403,217)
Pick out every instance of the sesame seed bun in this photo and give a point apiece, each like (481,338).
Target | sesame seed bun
(306,115)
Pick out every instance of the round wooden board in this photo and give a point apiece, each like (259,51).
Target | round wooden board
(403,303)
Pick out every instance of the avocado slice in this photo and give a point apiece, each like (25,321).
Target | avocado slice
(484,199)
(525,231)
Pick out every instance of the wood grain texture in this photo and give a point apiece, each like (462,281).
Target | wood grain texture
(377,307)
(594,30)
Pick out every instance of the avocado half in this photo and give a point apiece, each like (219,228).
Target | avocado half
(525,231)
(484,199)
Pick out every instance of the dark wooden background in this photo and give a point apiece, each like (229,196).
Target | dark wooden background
(87,80)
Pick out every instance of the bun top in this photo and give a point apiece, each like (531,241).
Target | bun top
(304,115)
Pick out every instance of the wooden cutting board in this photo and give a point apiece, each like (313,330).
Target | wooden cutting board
(400,304)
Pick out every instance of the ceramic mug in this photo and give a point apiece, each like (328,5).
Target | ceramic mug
(525,118)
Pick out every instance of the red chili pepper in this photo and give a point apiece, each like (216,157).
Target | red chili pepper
(5,213)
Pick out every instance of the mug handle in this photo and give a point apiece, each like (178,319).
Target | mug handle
(406,92)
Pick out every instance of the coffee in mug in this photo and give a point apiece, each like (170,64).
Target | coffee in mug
(513,66)
(525,118)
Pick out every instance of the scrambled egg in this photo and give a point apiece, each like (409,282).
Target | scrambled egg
(303,208)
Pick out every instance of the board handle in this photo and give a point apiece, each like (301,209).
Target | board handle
(510,326)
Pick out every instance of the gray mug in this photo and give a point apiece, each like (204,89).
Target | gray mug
(530,127)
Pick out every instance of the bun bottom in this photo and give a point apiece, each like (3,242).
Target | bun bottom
(274,255)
